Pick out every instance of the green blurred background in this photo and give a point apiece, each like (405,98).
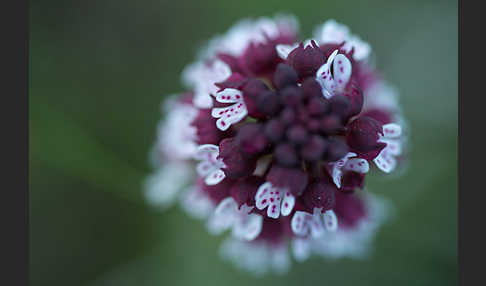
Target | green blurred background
(98,73)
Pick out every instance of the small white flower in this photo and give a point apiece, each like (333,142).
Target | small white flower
(346,242)
(162,187)
(201,77)
(335,82)
(196,203)
(381,96)
(230,114)
(210,166)
(386,160)
(257,257)
(248,31)
(332,32)
(176,137)
(316,224)
(279,201)
(244,225)
(358,165)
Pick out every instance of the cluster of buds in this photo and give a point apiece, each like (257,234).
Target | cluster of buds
(274,139)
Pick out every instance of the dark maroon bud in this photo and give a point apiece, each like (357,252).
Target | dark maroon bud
(269,103)
(362,134)
(259,58)
(292,96)
(314,149)
(285,155)
(351,181)
(328,49)
(313,125)
(320,195)
(311,88)
(297,134)
(331,124)
(287,116)
(295,180)
(336,149)
(303,114)
(244,190)
(251,92)
(306,61)
(382,116)
(355,96)
(317,105)
(339,105)
(251,139)
(274,130)
(284,76)
(237,164)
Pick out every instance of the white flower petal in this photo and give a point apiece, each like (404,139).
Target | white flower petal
(196,203)
(342,71)
(336,33)
(358,165)
(288,203)
(330,221)
(301,249)
(299,223)
(249,227)
(283,51)
(162,188)
(392,130)
(224,216)
(262,195)
(229,95)
(229,115)
(215,177)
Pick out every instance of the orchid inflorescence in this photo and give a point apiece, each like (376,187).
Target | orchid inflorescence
(274,139)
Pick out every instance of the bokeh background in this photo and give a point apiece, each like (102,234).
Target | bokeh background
(98,73)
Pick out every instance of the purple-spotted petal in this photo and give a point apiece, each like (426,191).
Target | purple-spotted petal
(229,115)
(299,223)
(229,95)
(249,226)
(224,216)
(205,149)
(330,220)
(334,82)
(385,161)
(342,71)
(262,195)
(304,223)
(358,165)
(288,203)
(273,209)
(392,130)
(276,200)
(215,177)
(337,168)
(204,168)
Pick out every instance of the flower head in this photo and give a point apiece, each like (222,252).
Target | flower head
(281,134)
